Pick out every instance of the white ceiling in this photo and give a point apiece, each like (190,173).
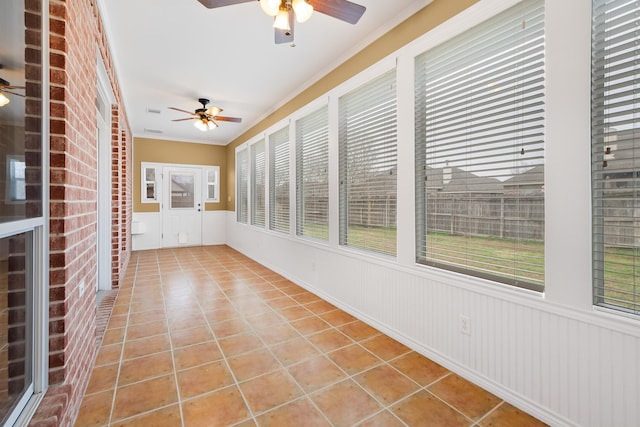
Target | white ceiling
(169,53)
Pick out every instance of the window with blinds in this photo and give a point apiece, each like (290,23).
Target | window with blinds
(279,180)
(258,184)
(312,175)
(479,106)
(368,166)
(242,188)
(616,154)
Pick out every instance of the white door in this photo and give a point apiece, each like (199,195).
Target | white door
(181,207)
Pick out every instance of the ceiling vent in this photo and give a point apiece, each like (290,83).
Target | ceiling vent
(156,131)
(153,110)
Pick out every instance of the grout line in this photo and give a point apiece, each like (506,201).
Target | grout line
(124,341)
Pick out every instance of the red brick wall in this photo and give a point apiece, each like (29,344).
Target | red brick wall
(76,34)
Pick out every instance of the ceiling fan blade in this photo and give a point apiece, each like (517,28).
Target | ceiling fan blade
(182,120)
(343,10)
(285,36)
(228,119)
(14,93)
(211,4)
(182,111)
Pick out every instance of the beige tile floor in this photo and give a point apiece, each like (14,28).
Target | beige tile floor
(207,337)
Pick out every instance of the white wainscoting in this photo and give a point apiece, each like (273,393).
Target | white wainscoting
(214,228)
(146,230)
(564,366)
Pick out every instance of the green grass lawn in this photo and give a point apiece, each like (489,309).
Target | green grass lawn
(522,262)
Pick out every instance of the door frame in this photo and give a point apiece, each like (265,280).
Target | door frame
(165,197)
(104,255)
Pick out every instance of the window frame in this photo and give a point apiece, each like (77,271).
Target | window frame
(319,148)
(144,182)
(421,172)
(277,224)
(614,164)
(356,89)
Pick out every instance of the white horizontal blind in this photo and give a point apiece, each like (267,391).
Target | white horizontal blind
(312,177)
(258,184)
(616,154)
(242,178)
(279,180)
(480,150)
(368,166)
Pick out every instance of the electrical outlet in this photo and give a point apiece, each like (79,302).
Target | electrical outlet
(81,287)
(465,325)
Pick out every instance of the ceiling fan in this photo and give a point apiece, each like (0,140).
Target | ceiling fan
(205,118)
(284,12)
(6,87)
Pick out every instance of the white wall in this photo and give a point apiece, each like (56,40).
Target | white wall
(551,354)
(214,231)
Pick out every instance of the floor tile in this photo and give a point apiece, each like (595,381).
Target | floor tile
(507,415)
(354,359)
(318,307)
(187,337)
(345,403)
(382,419)
(95,409)
(103,378)
(386,384)
(146,346)
(294,414)
(109,354)
(468,398)
(147,316)
(270,390)
(195,355)
(228,328)
(423,408)
(329,340)
(146,367)
(310,325)
(384,347)
(239,344)
(316,373)
(144,396)
(295,313)
(148,329)
(221,408)
(165,417)
(250,365)
(294,351)
(417,367)
(274,334)
(203,379)
(113,336)
(358,330)
(337,317)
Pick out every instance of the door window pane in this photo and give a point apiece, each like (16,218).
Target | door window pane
(182,191)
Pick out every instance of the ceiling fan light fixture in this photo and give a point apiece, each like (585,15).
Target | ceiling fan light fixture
(4,100)
(201,124)
(302,9)
(282,20)
(270,7)
(211,125)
